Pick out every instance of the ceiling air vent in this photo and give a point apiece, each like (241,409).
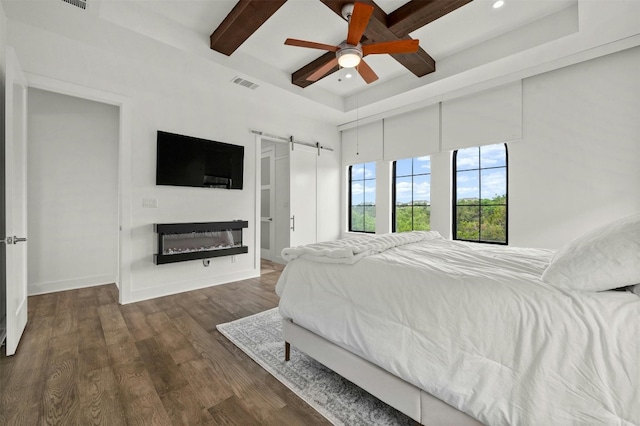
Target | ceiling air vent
(242,82)
(82,4)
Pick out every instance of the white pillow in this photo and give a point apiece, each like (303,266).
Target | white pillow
(603,259)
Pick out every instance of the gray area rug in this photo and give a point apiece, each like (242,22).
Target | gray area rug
(337,399)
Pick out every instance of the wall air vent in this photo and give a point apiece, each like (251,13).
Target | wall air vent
(242,82)
(82,4)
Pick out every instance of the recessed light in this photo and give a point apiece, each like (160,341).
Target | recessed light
(498,4)
(348,75)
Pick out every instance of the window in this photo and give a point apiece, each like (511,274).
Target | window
(362,197)
(480,194)
(411,194)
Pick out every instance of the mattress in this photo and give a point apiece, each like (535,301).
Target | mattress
(475,326)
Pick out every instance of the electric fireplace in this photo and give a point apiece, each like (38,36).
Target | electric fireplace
(178,242)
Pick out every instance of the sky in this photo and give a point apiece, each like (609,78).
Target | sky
(364,193)
(418,188)
(494,181)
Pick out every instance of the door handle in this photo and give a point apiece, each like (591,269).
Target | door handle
(19,240)
(293,223)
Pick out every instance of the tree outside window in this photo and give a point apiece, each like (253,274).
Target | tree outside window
(412,194)
(480,194)
(362,197)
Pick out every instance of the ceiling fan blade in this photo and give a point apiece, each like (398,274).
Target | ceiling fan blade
(310,44)
(398,46)
(358,22)
(320,72)
(366,72)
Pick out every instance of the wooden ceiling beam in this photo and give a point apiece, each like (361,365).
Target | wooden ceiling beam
(299,78)
(419,63)
(243,20)
(418,13)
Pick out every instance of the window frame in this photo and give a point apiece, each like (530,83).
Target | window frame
(454,198)
(393,192)
(350,199)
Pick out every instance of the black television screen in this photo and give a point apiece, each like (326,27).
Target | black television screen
(188,161)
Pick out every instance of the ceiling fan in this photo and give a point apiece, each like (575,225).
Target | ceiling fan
(350,52)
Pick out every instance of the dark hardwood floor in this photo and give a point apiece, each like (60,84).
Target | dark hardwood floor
(86,360)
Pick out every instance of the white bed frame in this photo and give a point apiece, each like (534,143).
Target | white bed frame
(403,396)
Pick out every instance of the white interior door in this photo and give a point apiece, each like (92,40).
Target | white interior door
(267,204)
(303,192)
(15,186)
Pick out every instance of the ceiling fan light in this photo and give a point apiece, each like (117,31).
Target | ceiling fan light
(349,60)
(349,57)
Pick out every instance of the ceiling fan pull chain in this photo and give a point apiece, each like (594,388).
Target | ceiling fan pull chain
(357,125)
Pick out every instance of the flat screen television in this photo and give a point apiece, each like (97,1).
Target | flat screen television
(189,161)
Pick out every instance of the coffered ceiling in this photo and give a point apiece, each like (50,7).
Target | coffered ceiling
(240,29)
(378,27)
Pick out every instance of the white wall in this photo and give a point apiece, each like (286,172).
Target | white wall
(72,187)
(177,92)
(576,166)
(441,190)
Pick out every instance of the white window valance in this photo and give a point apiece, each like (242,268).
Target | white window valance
(412,134)
(362,144)
(483,118)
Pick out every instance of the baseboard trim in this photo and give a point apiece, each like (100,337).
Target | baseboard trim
(183,286)
(34,289)
(279,260)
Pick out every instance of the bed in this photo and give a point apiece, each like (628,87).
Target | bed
(455,333)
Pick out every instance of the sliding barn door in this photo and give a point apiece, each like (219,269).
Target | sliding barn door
(267,204)
(15,196)
(303,201)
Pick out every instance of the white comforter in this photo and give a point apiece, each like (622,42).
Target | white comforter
(350,251)
(476,327)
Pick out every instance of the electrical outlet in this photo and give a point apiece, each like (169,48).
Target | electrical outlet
(150,203)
